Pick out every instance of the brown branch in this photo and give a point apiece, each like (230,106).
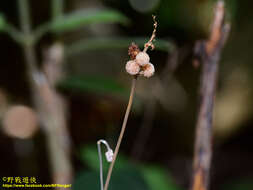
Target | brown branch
(51,108)
(54,115)
(152,38)
(210,54)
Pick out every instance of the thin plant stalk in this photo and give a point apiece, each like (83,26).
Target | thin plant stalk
(121,132)
(24,16)
(100,166)
(28,48)
(57,8)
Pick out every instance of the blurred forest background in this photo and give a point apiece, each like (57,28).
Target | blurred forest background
(63,86)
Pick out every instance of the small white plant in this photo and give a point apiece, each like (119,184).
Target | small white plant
(109,158)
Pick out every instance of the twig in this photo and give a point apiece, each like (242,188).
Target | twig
(152,38)
(210,54)
(121,132)
(24,16)
(54,116)
(14,33)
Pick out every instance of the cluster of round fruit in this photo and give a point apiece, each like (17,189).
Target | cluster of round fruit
(140,65)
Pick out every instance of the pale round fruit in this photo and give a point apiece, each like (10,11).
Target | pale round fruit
(142,58)
(132,67)
(149,70)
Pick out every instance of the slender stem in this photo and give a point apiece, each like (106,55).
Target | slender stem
(121,133)
(100,167)
(24,17)
(29,50)
(40,31)
(14,34)
(57,8)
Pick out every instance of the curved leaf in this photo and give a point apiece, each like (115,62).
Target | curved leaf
(84,17)
(115,43)
(79,19)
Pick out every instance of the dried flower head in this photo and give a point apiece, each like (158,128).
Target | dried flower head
(133,50)
(132,67)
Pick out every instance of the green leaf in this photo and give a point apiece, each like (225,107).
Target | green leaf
(93,84)
(89,156)
(123,179)
(85,17)
(11,30)
(80,19)
(2,22)
(95,44)
(158,178)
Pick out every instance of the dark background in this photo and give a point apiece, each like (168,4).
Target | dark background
(94,115)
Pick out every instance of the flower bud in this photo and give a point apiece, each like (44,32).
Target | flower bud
(148,70)
(132,67)
(142,58)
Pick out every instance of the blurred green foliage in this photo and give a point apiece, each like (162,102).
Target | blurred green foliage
(124,179)
(126,175)
(88,16)
(78,19)
(93,84)
(158,178)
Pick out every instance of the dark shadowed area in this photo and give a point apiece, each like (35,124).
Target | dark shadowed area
(64,86)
